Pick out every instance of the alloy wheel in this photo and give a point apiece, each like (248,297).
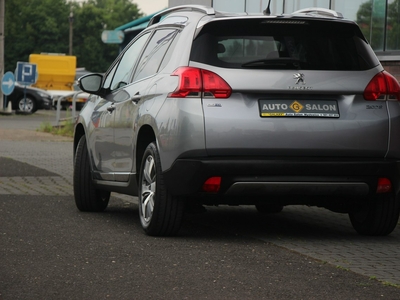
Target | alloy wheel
(26,105)
(148,189)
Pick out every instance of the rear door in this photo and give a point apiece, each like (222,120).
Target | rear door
(105,148)
(136,99)
(101,139)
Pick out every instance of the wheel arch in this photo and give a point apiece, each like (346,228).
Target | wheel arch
(28,95)
(145,136)
(79,132)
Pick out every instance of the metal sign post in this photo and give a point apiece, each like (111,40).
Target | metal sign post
(2,15)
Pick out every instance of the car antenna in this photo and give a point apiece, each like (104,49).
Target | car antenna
(267,11)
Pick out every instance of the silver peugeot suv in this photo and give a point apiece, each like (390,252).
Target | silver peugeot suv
(211,108)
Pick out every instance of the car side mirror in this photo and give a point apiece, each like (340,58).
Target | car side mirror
(91,83)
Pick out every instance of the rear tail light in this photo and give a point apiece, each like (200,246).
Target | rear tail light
(382,87)
(384,186)
(212,185)
(194,82)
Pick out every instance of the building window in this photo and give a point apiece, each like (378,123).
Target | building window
(293,5)
(393,25)
(232,6)
(370,17)
(256,6)
(379,20)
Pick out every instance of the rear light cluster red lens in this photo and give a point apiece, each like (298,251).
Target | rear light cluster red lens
(384,186)
(194,82)
(382,87)
(212,184)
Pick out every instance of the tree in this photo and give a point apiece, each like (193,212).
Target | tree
(90,19)
(35,26)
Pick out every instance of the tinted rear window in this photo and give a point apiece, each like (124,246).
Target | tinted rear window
(283,44)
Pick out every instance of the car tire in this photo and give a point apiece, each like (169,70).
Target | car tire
(269,208)
(87,197)
(160,212)
(377,218)
(26,105)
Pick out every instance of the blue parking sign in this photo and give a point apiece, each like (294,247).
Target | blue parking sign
(26,73)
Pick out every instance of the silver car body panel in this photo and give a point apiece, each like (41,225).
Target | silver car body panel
(100,137)
(234,125)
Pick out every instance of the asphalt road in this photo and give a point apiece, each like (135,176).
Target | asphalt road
(50,250)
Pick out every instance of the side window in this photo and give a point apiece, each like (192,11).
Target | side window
(109,77)
(126,65)
(169,53)
(154,53)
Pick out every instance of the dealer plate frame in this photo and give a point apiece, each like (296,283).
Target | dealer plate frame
(298,108)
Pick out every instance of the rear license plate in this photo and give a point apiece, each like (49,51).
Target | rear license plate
(299,108)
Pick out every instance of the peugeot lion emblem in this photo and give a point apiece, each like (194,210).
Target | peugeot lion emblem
(299,78)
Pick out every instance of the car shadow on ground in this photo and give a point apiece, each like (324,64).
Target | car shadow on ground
(294,222)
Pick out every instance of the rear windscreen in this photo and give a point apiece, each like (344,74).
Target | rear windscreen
(283,44)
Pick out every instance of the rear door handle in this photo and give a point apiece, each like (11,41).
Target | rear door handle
(111,108)
(135,99)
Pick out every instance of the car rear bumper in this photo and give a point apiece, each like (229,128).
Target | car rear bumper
(308,177)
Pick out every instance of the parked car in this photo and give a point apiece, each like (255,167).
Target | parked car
(211,108)
(29,99)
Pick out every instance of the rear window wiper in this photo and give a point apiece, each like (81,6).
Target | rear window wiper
(273,62)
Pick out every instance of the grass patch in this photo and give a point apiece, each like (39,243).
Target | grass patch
(66,129)
(385,283)
(342,268)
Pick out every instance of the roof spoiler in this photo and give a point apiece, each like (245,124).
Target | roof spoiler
(319,11)
(200,8)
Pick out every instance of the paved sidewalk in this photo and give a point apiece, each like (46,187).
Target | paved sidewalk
(314,232)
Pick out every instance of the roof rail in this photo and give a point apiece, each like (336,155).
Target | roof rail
(201,8)
(319,11)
